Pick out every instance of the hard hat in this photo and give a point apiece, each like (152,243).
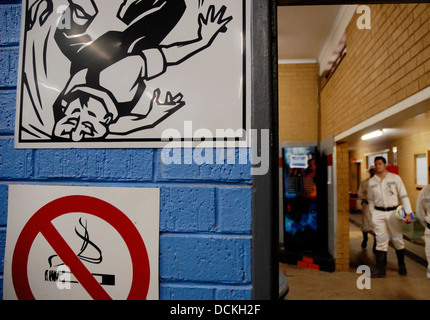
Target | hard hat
(400,212)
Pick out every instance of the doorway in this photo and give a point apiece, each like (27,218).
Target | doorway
(356,121)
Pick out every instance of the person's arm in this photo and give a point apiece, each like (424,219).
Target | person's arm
(209,27)
(157,113)
(360,196)
(421,209)
(403,196)
(371,198)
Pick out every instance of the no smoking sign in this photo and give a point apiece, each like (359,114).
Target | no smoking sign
(82,243)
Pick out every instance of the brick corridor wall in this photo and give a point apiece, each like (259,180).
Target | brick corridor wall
(342,183)
(298,102)
(383,66)
(205,210)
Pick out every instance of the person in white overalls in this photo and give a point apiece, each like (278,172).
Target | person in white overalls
(363,205)
(423,215)
(386,191)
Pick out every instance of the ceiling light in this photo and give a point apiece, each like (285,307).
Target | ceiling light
(371,135)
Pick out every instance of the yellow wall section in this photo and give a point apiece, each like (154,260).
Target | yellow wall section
(298,102)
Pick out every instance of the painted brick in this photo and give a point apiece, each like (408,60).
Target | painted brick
(8,66)
(10,22)
(234,206)
(196,260)
(234,293)
(179,168)
(204,292)
(14,163)
(205,258)
(187,292)
(2,248)
(7,111)
(187,209)
(3,205)
(97,165)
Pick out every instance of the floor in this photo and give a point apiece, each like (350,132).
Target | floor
(308,284)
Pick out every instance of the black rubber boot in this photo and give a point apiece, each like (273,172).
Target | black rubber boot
(365,238)
(401,261)
(381,264)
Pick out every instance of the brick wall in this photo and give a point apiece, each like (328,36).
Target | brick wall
(298,100)
(383,66)
(205,211)
(342,183)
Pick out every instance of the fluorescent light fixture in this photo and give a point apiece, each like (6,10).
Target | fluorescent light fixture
(372,135)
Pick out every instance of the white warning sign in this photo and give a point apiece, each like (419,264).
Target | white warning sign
(120,73)
(82,243)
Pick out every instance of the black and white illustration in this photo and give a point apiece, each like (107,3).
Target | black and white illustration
(94,72)
(89,252)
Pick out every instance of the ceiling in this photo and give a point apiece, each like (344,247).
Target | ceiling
(304,30)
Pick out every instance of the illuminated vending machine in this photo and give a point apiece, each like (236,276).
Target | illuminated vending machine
(300,198)
(305,209)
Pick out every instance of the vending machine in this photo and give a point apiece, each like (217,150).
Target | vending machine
(305,208)
(300,203)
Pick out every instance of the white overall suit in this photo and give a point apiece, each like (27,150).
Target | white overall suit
(384,197)
(423,215)
(366,221)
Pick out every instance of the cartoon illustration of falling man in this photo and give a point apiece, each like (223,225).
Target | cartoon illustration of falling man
(109,68)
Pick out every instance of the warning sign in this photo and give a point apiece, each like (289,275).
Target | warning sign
(126,73)
(82,243)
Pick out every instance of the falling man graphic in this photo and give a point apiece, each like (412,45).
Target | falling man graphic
(108,64)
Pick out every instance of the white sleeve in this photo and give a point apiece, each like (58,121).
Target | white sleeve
(403,195)
(155,63)
(421,213)
(371,198)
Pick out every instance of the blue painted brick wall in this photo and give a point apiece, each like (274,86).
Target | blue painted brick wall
(205,210)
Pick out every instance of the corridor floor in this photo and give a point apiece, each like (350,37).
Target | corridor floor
(308,284)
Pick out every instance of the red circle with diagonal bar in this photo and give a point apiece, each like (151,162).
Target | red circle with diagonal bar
(41,222)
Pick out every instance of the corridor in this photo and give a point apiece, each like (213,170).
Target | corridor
(307,284)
